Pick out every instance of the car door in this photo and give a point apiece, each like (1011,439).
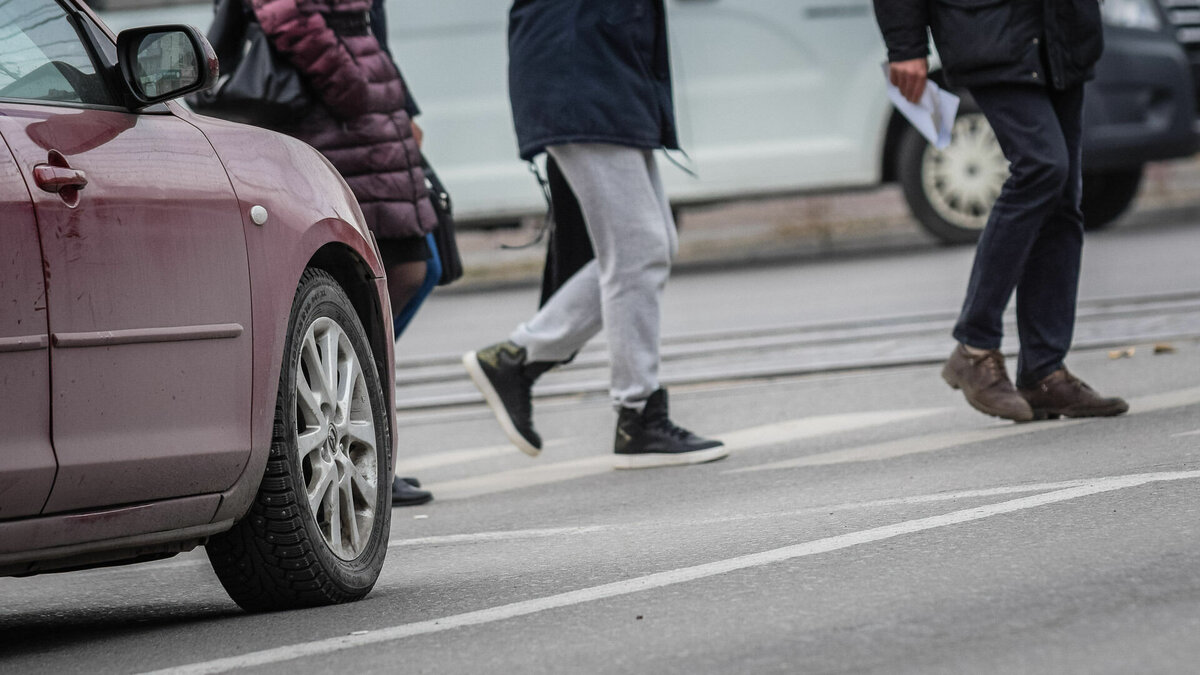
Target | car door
(777,94)
(147,280)
(26,456)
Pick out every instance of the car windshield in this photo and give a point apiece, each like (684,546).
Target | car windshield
(42,57)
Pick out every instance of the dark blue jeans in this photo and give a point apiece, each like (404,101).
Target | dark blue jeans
(1034,237)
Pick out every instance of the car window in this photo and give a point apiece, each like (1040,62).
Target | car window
(42,57)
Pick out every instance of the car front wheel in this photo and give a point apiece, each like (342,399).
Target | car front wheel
(317,531)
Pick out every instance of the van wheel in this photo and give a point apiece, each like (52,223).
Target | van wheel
(1108,195)
(317,531)
(951,191)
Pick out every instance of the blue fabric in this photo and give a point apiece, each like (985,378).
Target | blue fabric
(590,71)
(433,272)
(379,28)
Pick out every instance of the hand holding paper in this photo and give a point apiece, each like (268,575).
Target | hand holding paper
(933,116)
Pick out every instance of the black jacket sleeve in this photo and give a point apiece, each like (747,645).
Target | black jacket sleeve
(904,24)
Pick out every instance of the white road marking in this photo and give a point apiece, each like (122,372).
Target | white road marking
(498,535)
(548,532)
(739,441)
(811,427)
(951,439)
(659,524)
(543,473)
(1186,434)
(906,446)
(672,577)
(437,460)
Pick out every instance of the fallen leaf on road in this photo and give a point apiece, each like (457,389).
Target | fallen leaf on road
(1122,353)
(1164,348)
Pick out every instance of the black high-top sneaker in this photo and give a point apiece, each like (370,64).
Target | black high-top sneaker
(505,379)
(650,439)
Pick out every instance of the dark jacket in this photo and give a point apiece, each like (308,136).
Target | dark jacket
(590,71)
(983,42)
(363,128)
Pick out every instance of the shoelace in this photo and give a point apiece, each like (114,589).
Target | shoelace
(526,400)
(658,420)
(994,363)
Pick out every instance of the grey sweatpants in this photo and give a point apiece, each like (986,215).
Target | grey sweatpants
(633,232)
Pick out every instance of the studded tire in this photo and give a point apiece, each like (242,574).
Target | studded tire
(318,529)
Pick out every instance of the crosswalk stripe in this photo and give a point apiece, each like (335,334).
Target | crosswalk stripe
(650,582)
(740,441)
(811,427)
(952,439)
(465,456)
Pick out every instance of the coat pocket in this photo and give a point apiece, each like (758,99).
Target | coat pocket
(973,34)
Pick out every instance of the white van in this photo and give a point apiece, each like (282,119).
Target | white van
(778,96)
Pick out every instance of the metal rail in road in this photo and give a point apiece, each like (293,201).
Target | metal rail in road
(799,349)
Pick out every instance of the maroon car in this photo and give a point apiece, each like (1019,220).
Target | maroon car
(194,328)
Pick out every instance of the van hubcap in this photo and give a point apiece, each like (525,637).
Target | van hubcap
(963,181)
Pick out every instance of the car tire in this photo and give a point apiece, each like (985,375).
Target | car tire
(299,545)
(1108,195)
(951,191)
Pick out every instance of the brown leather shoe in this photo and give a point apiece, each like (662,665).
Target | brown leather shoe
(984,381)
(1061,393)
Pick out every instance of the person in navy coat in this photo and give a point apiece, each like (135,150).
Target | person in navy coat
(590,84)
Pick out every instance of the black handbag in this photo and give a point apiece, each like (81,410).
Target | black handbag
(443,235)
(257,85)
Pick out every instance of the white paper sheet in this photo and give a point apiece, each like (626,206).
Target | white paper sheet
(933,116)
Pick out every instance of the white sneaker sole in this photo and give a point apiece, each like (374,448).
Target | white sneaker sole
(470,361)
(656,460)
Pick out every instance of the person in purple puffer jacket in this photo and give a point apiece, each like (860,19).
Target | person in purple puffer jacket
(365,129)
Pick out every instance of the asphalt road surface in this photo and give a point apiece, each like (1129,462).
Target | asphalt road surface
(866,521)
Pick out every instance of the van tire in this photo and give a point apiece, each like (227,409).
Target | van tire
(1107,195)
(951,192)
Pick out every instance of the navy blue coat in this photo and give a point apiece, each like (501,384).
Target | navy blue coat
(590,71)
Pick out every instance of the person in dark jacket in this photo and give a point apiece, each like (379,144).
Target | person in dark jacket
(1025,63)
(590,84)
(365,129)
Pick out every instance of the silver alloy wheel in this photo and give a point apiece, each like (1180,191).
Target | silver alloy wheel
(336,438)
(963,181)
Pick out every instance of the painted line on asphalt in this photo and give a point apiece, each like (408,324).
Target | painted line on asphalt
(810,427)
(1186,434)
(465,456)
(493,536)
(739,441)
(952,439)
(499,535)
(660,524)
(670,578)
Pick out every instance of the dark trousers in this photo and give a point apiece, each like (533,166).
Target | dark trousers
(1034,237)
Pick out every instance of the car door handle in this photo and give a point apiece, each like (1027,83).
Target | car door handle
(58,178)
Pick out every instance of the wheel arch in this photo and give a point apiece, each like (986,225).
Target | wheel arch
(355,277)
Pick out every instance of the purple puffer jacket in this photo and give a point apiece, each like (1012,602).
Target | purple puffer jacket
(363,128)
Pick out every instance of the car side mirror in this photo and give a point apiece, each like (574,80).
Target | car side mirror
(158,63)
